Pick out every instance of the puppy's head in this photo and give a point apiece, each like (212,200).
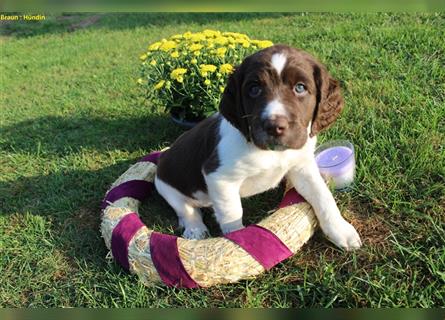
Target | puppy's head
(279,96)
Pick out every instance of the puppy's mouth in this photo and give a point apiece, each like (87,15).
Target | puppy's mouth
(265,141)
(277,147)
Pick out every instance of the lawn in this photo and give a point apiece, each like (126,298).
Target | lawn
(73,119)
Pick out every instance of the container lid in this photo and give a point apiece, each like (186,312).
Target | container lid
(333,156)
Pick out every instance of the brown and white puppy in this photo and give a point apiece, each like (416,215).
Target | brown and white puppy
(274,104)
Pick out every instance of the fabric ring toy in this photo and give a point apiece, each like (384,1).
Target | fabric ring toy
(178,262)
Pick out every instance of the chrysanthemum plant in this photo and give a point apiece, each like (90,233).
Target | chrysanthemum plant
(187,73)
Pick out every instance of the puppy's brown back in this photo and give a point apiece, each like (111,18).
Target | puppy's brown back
(195,150)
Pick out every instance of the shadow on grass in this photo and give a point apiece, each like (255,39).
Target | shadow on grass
(68,196)
(58,136)
(71,22)
(70,202)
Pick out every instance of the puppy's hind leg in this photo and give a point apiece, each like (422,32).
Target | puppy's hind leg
(189,217)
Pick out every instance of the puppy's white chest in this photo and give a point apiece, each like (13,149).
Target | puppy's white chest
(255,170)
(264,170)
(262,182)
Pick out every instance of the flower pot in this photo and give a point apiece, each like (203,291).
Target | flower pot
(184,123)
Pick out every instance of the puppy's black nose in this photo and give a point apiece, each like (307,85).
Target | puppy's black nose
(277,126)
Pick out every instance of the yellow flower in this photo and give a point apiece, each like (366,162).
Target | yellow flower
(211,33)
(160,84)
(177,74)
(194,61)
(226,68)
(243,42)
(168,45)
(174,54)
(140,81)
(153,62)
(206,68)
(154,46)
(196,37)
(207,82)
(195,47)
(143,57)
(264,43)
(221,51)
(221,89)
(221,40)
(197,53)
(231,40)
(236,35)
(187,35)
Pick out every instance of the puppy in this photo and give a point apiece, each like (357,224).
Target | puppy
(273,106)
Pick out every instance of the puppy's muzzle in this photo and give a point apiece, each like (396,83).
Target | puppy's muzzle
(276,126)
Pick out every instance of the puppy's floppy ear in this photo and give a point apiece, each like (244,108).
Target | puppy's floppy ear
(329,100)
(231,105)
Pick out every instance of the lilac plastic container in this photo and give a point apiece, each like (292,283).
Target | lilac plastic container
(336,162)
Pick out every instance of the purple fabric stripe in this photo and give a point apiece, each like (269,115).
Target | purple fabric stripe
(121,237)
(165,257)
(137,189)
(291,197)
(152,157)
(264,246)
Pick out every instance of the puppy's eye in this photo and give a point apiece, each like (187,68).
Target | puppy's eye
(300,88)
(255,91)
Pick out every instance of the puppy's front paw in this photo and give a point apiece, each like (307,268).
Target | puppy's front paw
(343,235)
(231,226)
(196,233)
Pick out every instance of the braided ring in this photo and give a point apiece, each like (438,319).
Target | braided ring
(178,262)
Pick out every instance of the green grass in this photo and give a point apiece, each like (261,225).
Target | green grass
(72,120)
